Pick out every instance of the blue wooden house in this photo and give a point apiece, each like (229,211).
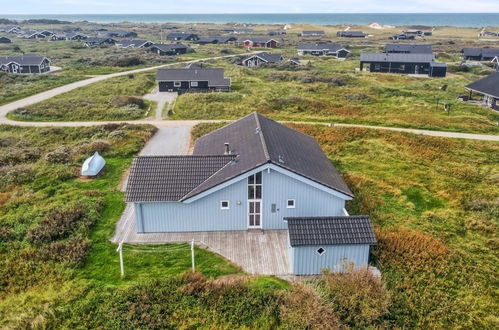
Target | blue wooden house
(251,174)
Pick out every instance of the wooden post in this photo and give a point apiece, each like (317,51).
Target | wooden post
(192,256)
(120,250)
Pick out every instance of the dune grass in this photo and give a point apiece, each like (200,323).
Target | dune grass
(117,98)
(331,91)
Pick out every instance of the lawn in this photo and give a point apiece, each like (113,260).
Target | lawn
(434,203)
(118,98)
(329,90)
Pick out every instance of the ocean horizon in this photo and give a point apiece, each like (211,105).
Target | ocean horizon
(396,19)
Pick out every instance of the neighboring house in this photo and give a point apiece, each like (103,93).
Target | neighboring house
(13,29)
(351,34)
(168,49)
(313,34)
(182,36)
(480,54)
(46,33)
(216,40)
(420,33)
(99,42)
(489,34)
(408,49)
(30,34)
(262,58)
(276,32)
(192,80)
(5,40)
(76,36)
(24,64)
(294,61)
(402,37)
(237,30)
(403,63)
(135,43)
(117,34)
(317,243)
(252,174)
(259,42)
(488,87)
(323,49)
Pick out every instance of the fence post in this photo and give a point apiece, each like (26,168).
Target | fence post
(120,250)
(192,256)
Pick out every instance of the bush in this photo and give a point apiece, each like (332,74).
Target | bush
(121,101)
(337,81)
(16,174)
(73,250)
(117,134)
(358,297)
(59,224)
(129,61)
(61,155)
(90,147)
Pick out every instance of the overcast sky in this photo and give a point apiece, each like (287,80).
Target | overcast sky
(238,6)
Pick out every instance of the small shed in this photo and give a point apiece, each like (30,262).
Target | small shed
(320,243)
(93,165)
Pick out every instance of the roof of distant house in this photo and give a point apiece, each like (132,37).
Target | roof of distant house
(332,47)
(409,48)
(267,57)
(26,59)
(215,77)
(397,57)
(488,85)
(337,230)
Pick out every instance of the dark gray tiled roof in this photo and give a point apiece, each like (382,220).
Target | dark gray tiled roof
(258,140)
(169,178)
(409,48)
(486,52)
(488,85)
(396,57)
(313,33)
(268,57)
(330,230)
(331,47)
(169,47)
(26,59)
(256,40)
(214,77)
(352,34)
(134,42)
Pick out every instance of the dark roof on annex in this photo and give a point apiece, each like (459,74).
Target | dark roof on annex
(169,47)
(214,77)
(488,85)
(336,230)
(267,57)
(409,48)
(484,52)
(253,141)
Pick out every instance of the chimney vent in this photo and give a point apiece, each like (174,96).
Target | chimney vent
(227,149)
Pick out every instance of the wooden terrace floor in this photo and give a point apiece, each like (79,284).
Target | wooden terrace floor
(256,252)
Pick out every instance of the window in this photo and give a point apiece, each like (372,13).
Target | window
(290,204)
(255,186)
(377,67)
(320,251)
(224,205)
(194,84)
(177,83)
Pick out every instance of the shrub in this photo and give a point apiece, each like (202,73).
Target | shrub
(73,250)
(117,134)
(129,61)
(358,297)
(337,81)
(60,155)
(121,101)
(59,224)
(16,174)
(89,147)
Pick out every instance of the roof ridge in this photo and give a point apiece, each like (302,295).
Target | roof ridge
(218,171)
(262,137)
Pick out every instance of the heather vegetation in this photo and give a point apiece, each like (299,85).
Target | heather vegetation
(117,98)
(328,90)
(434,203)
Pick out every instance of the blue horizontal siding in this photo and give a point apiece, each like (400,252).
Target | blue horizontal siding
(306,261)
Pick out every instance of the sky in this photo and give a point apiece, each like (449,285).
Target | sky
(235,6)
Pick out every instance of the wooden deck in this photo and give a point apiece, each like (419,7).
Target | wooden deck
(256,252)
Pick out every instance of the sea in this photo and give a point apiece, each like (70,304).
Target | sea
(407,19)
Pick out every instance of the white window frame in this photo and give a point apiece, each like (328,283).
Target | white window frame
(321,254)
(291,206)
(224,207)
(177,83)
(194,84)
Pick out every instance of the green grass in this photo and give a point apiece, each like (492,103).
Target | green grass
(97,101)
(16,87)
(330,91)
